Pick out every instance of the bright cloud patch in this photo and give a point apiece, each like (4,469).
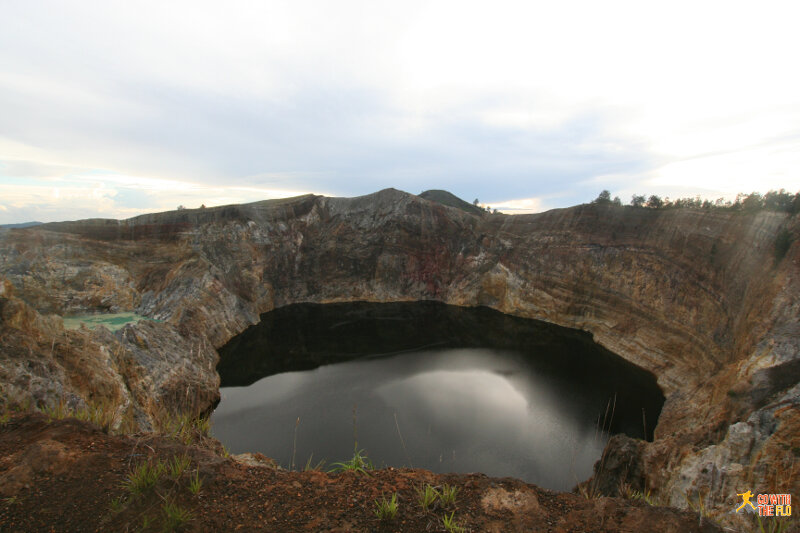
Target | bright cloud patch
(90,194)
(149,106)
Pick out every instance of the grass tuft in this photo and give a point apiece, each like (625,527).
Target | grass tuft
(143,478)
(426,496)
(588,491)
(359,463)
(203,425)
(146,522)
(386,509)
(776,525)
(699,508)
(647,497)
(103,414)
(195,482)
(127,424)
(178,465)
(450,524)
(314,467)
(447,495)
(117,504)
(57,411)
(183,427)
(225,452)
(175,516)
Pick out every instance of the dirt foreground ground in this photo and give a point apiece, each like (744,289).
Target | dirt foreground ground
(68,475)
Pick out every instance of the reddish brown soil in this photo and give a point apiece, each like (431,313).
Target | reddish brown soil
(64,475)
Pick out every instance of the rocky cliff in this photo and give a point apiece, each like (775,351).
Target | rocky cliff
(697,297)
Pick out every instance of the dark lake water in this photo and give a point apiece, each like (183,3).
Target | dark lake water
(431,386)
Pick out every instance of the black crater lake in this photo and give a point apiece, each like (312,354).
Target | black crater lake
(423,384)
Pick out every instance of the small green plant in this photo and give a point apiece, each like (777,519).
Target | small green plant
(58,411)
(117,504)
(82,414)
(629,493)
(127,423)
(776,525)
(588,491)
(18,406)
(226,453)
(146,522)
(647,497)
(427,497)
(447,495)
(450,524)
(104,414)
(24,406)
(4,418)
(185,434)
(203,425)
(625,490)
(386,509)
(184,427)
(178,465)
(314,467)
(11,500)
(359,463)
(195,482)
(143,478)
(174,516)
(699,508)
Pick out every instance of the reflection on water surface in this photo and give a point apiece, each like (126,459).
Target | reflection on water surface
(526,407)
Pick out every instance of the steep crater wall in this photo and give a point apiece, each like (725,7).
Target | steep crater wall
(692,296)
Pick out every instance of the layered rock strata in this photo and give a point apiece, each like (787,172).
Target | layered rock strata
(697,297)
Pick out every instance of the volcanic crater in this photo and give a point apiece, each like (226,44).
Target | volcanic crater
(696,297)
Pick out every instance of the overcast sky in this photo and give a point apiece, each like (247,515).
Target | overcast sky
(112,109)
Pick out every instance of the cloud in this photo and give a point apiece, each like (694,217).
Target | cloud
(519,206)
(549,101)
(107,195)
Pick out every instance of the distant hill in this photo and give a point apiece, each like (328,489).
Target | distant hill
(21,225)
(450,199)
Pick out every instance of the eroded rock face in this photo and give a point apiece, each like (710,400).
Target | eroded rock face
(693,296)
